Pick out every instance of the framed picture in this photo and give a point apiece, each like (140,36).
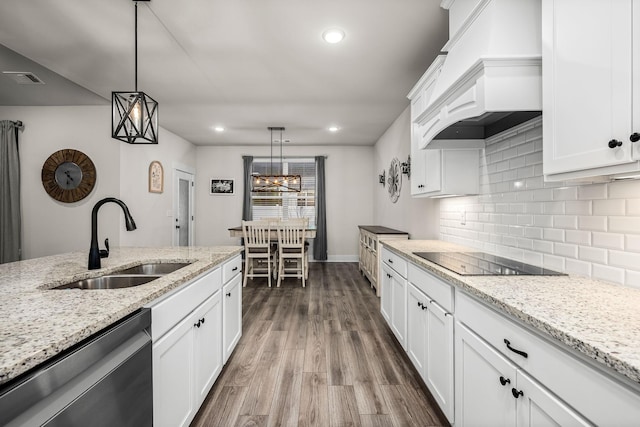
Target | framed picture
(221,186)
(156,177)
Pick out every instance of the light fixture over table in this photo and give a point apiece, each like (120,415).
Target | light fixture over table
(135,114)
(276,183)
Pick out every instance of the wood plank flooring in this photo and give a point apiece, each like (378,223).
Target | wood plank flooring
(317,356)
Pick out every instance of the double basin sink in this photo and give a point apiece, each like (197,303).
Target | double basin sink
(127,278)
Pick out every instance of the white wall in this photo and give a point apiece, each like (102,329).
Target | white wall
(417,216)
(349,179)
(587,229)
(51,227)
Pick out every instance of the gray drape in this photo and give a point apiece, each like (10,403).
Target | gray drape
(246,201)
(320,242)
(10,218)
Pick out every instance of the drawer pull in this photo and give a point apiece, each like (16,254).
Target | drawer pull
(388,275)
(234,269)
(516,393)
(504,381)
(202,320)
(228,294)
(197,325)
(390,261)
(521,353)
(420,304)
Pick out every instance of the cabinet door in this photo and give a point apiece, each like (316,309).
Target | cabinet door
(417,324)
(398,308)
(232,313)
(385,293)
(207,345)
(173,387)
(480,397)
(538,407)
(439,358)
(587,83)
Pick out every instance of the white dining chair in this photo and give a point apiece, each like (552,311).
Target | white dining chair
(293,259)
(258,250)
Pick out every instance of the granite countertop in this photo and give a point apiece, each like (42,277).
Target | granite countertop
(37,322)
(598,319)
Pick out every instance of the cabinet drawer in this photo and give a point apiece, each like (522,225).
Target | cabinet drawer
(231,268)
(394,261)
(435,288)
(600,397)
(171,310)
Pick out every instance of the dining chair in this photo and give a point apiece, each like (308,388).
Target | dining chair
(258,250)
(292,248)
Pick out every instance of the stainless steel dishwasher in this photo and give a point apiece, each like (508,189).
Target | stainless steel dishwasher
(104,381)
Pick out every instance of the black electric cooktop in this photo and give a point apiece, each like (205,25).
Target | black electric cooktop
(483,264)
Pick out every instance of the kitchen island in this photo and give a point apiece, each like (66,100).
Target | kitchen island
(38,322)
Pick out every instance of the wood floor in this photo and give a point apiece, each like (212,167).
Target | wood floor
(317,356)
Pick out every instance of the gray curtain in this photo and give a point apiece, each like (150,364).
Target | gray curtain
(246,201)
(320,242)
(10,218)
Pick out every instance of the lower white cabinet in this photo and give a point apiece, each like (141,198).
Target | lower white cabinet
(194,331)
(393,302)
(492,391)
(430,346)
(232,311)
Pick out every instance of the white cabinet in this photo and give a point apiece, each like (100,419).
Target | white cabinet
(393,300)
(369,253)
(492,391)
(444,172)
(430,335)
(591,95)
(194,330)
(232,310)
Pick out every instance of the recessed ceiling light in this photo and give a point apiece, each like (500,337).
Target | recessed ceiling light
(334,129)
(333,35)
(218,129)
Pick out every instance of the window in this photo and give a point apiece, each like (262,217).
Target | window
(286,205)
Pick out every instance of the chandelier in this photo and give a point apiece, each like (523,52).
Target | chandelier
(274,182)
(134,114)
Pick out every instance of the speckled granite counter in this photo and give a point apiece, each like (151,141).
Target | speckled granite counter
(598,319)
(37,322)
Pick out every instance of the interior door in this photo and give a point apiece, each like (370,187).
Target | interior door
(183,208)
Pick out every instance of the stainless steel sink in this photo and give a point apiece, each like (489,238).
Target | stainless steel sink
(154,268)
(110,282)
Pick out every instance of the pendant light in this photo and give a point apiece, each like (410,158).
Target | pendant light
(135,114)
(276,183)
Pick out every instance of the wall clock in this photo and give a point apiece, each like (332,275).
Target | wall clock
(68,175)
(394,180)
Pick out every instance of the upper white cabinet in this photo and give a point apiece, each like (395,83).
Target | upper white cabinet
(591,93)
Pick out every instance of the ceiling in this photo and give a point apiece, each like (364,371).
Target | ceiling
(243,64)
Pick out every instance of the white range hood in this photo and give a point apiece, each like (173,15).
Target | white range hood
(491,78)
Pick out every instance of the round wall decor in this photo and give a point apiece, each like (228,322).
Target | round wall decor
(394,180)
(68,175)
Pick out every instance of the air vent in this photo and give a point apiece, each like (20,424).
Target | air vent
(23,77)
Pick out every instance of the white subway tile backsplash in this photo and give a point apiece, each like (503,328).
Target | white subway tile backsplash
(609,207)
(608,240)
(589,229)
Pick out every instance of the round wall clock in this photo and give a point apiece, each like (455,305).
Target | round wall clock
(394,180)
(68,175)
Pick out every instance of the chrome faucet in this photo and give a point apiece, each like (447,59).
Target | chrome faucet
(95,253)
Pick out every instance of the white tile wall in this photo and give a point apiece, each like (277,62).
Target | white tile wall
(589,229)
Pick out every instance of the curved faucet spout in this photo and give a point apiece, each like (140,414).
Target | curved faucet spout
(94,251)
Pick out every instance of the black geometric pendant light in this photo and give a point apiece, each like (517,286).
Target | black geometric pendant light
(135,114)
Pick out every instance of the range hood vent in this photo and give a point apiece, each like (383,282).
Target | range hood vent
(23,77)
(491,76)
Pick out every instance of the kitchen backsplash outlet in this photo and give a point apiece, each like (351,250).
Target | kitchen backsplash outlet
(589,229)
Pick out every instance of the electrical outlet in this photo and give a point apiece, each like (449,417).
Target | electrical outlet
(463,217)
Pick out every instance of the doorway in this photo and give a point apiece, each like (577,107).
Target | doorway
(183,190)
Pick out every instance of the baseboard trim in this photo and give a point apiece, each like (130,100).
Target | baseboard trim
(338,258)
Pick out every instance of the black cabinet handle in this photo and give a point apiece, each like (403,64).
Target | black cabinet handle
(234,269)
(516,393)
(634,137)
(388,275)
(504,381)
(228,294)
(202,320)
(197,325)
(390,261)
(420,304)
(614,143)
(521,353)
(424,307)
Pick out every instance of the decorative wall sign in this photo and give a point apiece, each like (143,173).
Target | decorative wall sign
(68,175)
(221,186)
(394,180)
(156,177)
